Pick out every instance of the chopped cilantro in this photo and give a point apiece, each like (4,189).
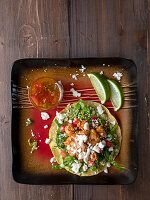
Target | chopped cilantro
(28,122)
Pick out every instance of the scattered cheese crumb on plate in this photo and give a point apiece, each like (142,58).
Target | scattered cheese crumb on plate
(45,116)
(75,93)
(118,75)
(46,126)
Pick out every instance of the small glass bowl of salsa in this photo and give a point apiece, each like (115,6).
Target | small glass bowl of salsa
(45,93)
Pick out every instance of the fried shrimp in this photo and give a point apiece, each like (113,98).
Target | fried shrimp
(100,130)
(69,129)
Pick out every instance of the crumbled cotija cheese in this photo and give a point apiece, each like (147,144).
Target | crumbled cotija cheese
(60,116)
(53,160)
(112,122)
(87,155)
(72,84)
(118,75)
(45,116)
(102,144)
(108,164)
(106,171)
(47,140)
(96,148)
(75,93)
(85,167)
(46,126)
(101,72)
(76,167)
(75,76)
(82,69)
(100,110)
(81,139)
(110,149)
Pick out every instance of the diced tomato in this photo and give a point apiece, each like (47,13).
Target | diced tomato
(46,99)
(76,121)
(109,143)
(94,117)
(62,128)
(64,154)
(38,86)
(101,150)
(91,163)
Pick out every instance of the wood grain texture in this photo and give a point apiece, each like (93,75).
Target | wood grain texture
(116,28)
(75,28)
(30,28)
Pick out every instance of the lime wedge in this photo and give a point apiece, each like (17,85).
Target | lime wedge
(101,86)
(116,94)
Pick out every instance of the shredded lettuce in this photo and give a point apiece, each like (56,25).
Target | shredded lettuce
(57,167)
(93,168)
(60,139)
(69,160)
(82,111)
(109,158)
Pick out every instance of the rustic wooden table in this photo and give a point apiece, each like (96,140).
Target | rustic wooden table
(74,28)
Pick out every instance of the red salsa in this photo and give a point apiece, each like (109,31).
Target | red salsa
(45,93)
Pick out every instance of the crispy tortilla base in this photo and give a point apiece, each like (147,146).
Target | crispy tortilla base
(53,131)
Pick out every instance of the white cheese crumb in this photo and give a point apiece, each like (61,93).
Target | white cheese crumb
(95,123)
(82,69)
(45,116)
(75,76)
(87,155)
(70,121)
(108,164)
(68,104)
(53,160)
(118,75)
(60,116)
(96,148)
(106,171)
(28,87)
(46,126)
(81,139)
(45,70)
(68,147)
(112,122)
(75,93)
(110,149)
(47,140)
(102,144)
(85,167)
(76,167)
(84,74)
(86,126)
(100,110)
(32,133)
(72,84)
(101,72)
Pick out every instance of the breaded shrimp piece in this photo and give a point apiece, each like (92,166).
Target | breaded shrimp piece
(69,129)
(100,130)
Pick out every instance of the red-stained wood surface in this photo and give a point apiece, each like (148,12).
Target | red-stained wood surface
(74,28)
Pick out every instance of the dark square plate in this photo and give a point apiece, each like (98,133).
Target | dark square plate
(36,168)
